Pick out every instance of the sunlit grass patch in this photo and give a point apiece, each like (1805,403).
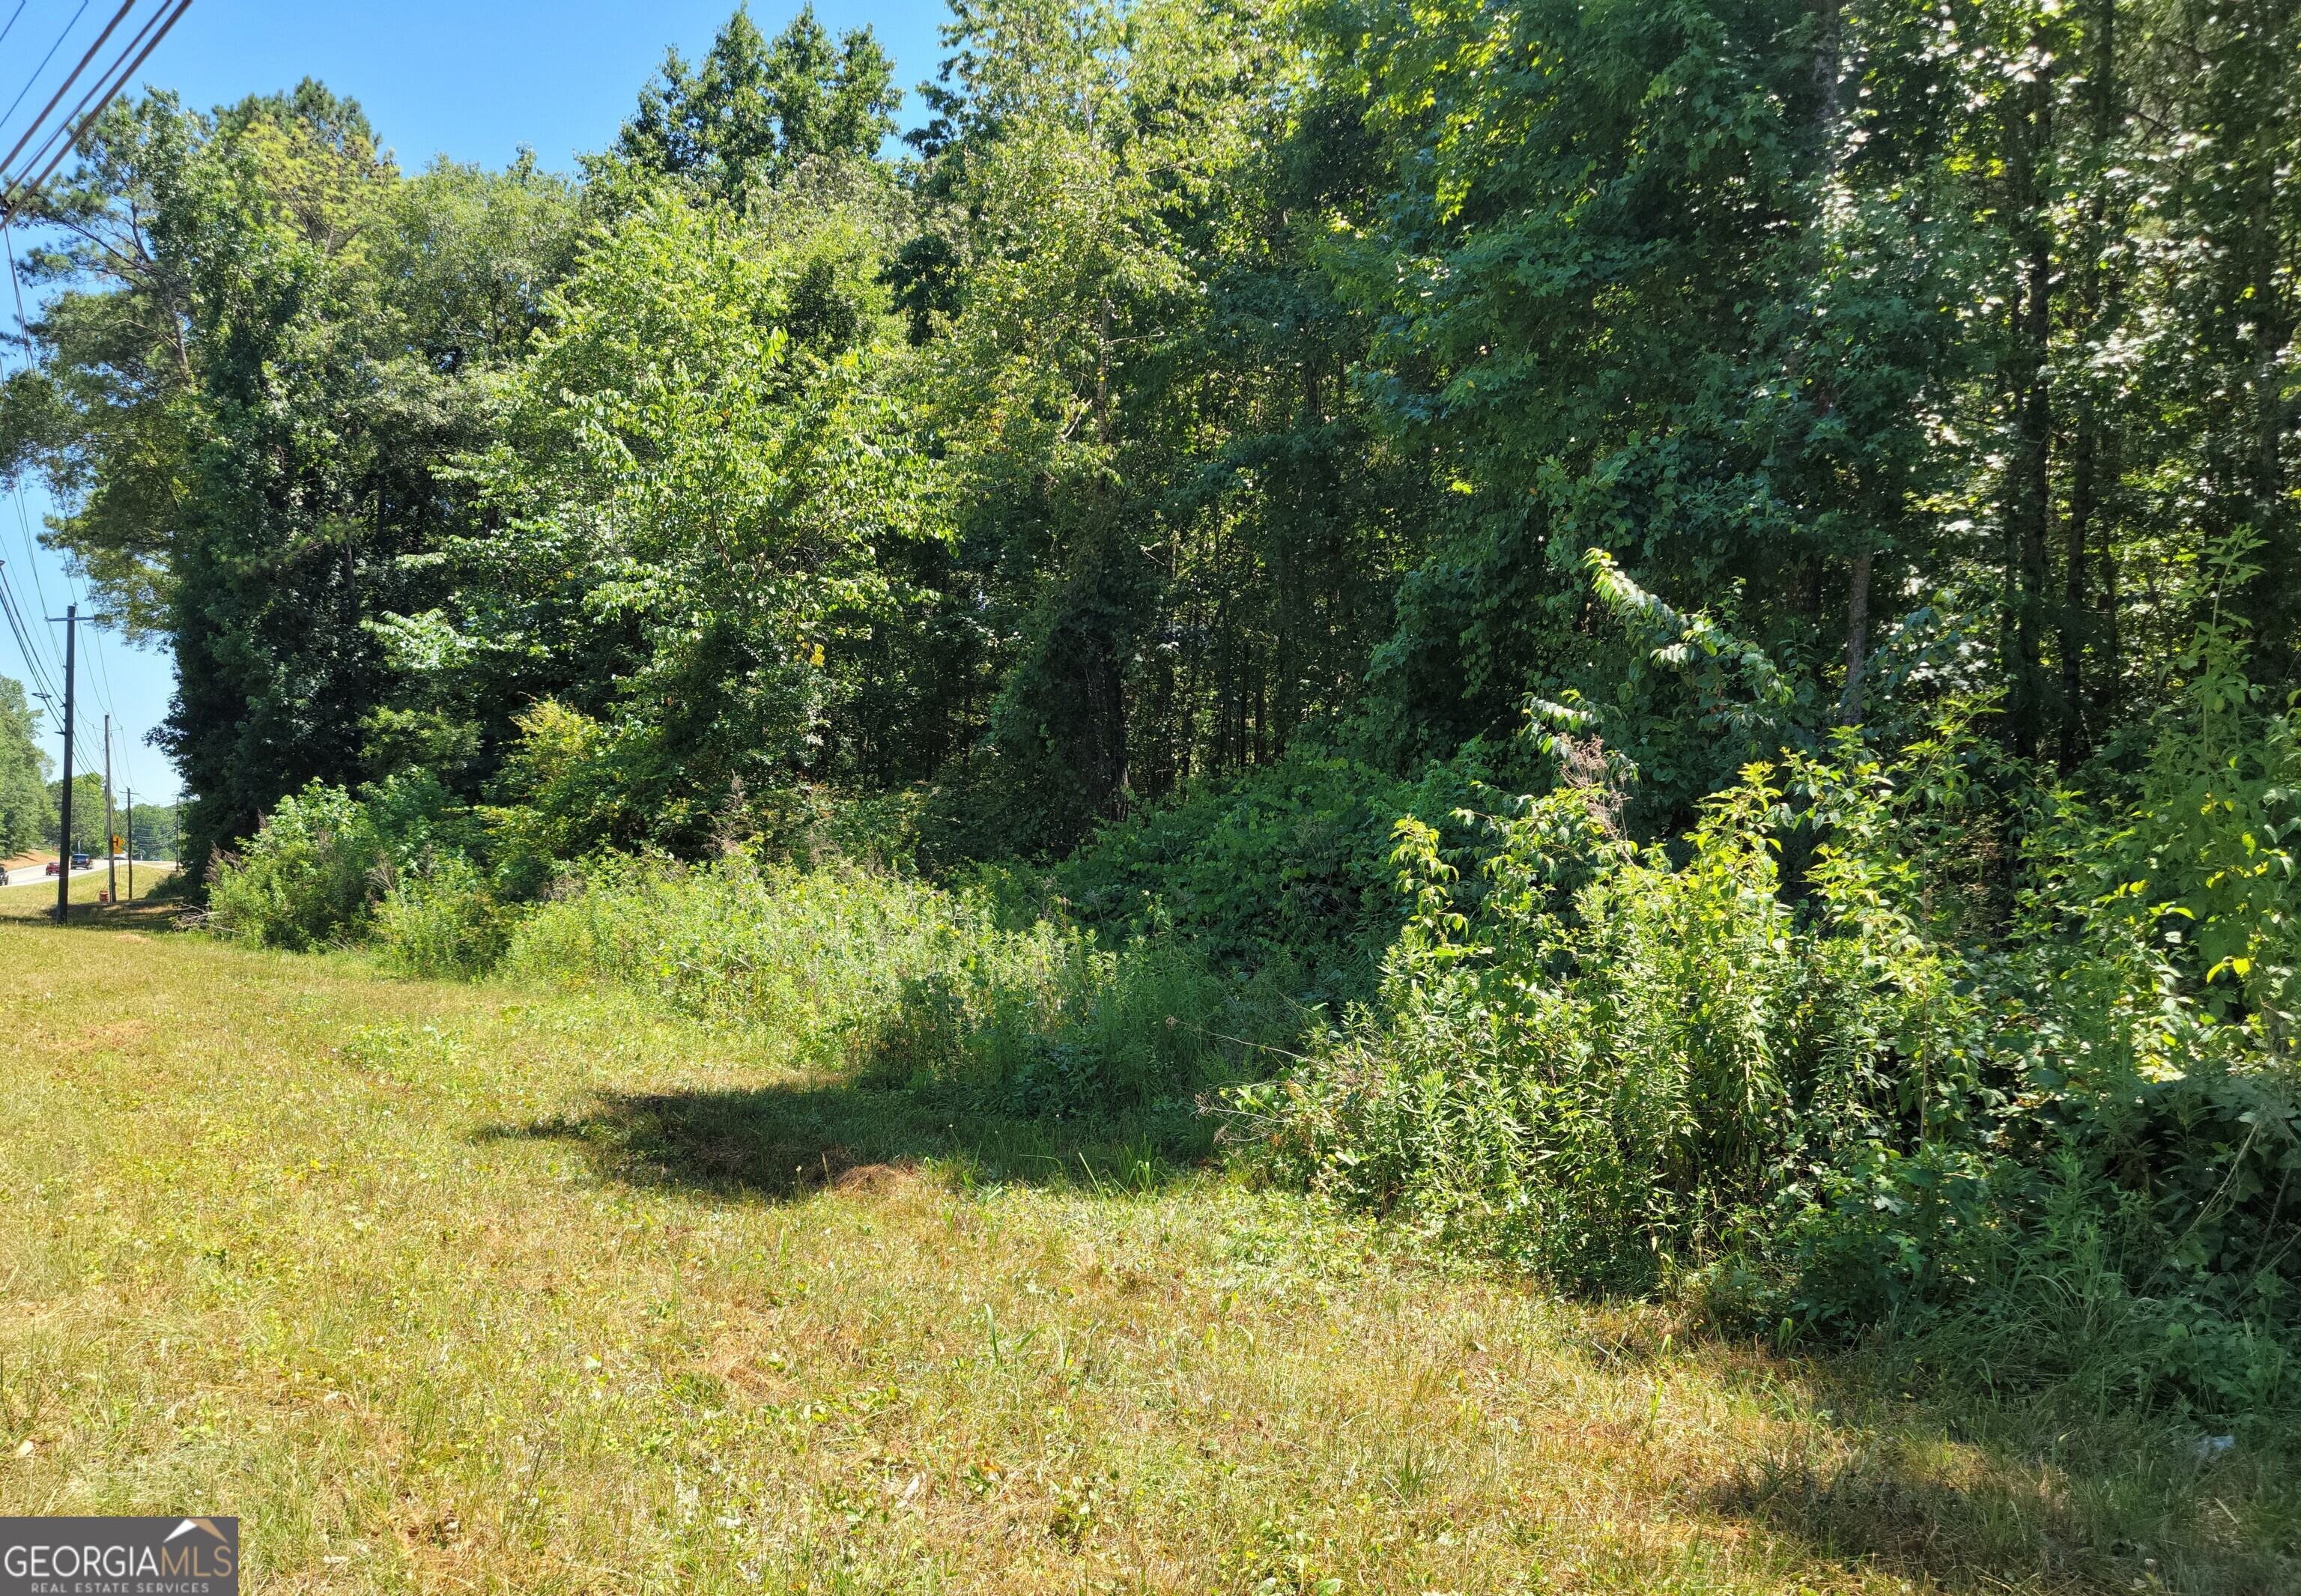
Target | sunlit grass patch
(446,1286)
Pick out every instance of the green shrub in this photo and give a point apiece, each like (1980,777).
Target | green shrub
(442,922)
(1613,1061)
(308,878)
(325,864)
(2055,1155)
(1287,866)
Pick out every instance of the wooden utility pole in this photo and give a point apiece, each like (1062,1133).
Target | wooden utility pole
(132,844)
(69,620)
(111,847)
(63,843)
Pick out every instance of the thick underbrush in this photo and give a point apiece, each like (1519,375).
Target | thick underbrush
(2039,1124)
(982,986)
(1891,1049)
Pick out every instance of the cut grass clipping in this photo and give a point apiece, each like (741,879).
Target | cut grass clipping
(452,1287)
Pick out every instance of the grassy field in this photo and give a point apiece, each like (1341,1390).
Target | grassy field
(464,1288)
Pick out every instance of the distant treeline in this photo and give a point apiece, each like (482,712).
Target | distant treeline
(1201,379)
(31,804)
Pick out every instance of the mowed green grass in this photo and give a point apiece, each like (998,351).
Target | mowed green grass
(447,1288)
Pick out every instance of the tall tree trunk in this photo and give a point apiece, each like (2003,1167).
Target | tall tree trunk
(2028,487)
(1857,639)
(1828,77)
(2272,330)
(2073,628)
(2077,630)
(2109,670)
(1829,115)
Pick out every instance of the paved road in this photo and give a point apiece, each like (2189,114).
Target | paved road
(23,874)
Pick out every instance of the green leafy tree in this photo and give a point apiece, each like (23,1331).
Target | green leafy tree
(1656,281)
(265,340)
(1178,526)
(88,813)
(26,820)
(752,110)
(1275,372)
(151,831)
(702,460)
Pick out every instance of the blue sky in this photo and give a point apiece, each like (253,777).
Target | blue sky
(473,82)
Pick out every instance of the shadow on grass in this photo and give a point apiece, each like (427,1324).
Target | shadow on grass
(1886,1508)
(779,1144)
(1949,1493)
(156,907)
(1965,1492)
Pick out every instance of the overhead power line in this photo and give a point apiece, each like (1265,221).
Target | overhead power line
(65,135)
(40,665)
(39,658)
(64,88)
(33,666)
(38,150)
(43,67)
(43,669)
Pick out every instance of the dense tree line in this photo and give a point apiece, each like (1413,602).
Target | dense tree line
(26,816)
(1202,379)
(30,800)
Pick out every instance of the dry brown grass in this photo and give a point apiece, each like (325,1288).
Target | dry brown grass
(450,1288)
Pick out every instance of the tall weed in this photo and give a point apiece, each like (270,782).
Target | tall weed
(1615,1062)
(443,923)
(908,983)
(2066,1153)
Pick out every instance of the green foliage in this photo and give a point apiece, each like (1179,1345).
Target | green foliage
(1610,1061)
(88,812)
(2064,1158)
(1175,526)
(265,340)
(1287,868)
(702,460)
(1220,376)
(567,791)
(307,878)
(315,873)
(1864,437)
(151,831)
(442,920)
(27,818)
(913,985)
(798,954)
(753,110)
